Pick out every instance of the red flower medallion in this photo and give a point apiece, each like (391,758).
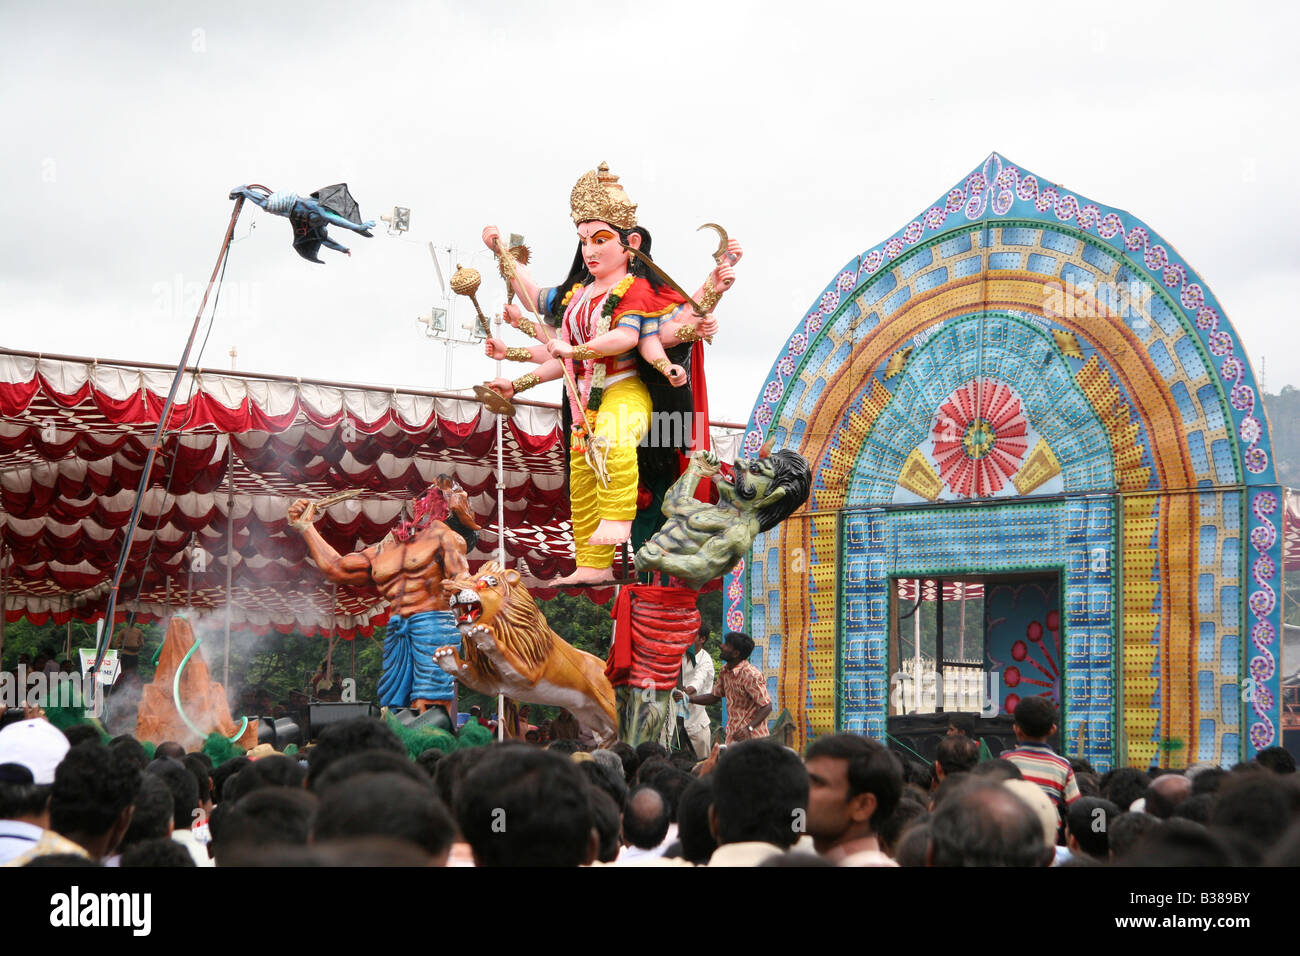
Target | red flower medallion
(979,438)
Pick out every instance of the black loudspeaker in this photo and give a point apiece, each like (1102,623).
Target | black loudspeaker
(287,732)
(321,715)
(279,732)
(434,716)
(922,732)
(266,730)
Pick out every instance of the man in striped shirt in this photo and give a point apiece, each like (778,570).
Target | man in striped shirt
(1035,721)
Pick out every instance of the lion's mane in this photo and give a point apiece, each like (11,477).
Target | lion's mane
(519,625)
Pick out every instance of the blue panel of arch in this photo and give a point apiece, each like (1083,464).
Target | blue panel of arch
(880,545)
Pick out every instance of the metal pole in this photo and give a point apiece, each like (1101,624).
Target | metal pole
(940,691)
(450,344)
(916,645)
(961,639)
(4,593)
(230,553)
(961,633)
(501,523)
(147,470)
(334,630)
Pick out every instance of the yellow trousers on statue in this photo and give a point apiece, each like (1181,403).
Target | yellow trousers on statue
(623,419)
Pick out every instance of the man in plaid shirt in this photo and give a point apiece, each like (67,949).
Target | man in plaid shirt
(742,684)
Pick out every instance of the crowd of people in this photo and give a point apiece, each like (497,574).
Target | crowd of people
(357,797)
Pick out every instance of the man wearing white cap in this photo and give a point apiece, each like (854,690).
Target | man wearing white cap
(30,750)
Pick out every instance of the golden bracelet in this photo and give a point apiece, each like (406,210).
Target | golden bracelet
(517,354)
(687,333)
(710,297)
(524,382)
(584,352)
(527,327)
(662,365)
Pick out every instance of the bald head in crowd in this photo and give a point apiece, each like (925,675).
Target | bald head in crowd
(1165,793)
(645,818)
(984,824)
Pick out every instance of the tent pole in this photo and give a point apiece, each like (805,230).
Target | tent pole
(147,471)
(230,551)
(334,631)
(4,593)
(501,522)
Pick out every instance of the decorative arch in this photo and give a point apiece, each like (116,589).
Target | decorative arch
(1110,370)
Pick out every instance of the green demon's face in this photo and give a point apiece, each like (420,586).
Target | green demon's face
(755,478)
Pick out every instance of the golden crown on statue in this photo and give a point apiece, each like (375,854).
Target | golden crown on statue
(598,196)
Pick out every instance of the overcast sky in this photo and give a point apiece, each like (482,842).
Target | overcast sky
(812,131)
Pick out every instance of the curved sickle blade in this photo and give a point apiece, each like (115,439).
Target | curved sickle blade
(666,278)
(722,240)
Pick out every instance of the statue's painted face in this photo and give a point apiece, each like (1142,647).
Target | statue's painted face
(754,477)
(602,251)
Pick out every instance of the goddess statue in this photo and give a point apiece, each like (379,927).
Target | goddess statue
(610,308)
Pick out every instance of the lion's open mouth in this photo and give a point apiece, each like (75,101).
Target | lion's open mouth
(467,606)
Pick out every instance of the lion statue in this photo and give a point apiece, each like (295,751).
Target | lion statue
(702,541)
(508,648)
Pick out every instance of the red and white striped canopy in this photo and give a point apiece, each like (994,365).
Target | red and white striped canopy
(74,435)
(952,590)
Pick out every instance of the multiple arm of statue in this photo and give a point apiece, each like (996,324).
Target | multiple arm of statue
(682,326)
(605,313)
(522,283)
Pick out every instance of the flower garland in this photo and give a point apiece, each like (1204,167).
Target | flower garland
(612,300)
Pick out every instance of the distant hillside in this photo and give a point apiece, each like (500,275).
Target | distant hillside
(1284,419)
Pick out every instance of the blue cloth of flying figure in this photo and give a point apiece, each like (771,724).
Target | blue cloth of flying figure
(309,215)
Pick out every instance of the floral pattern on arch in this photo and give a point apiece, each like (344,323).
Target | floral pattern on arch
(980,438)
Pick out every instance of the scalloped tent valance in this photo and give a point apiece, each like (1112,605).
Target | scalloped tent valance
(240,448)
